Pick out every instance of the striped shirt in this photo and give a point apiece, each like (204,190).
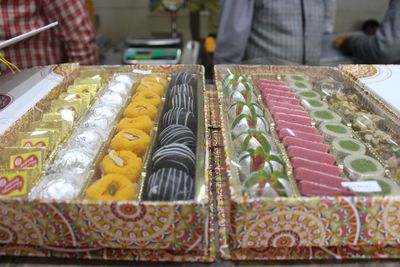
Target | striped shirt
(71,41)
(270,31)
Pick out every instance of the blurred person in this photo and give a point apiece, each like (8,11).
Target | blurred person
(71,41)
(271,32)
(384,46)
(369,27)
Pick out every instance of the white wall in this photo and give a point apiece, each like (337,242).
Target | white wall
(352,13)
(118,18)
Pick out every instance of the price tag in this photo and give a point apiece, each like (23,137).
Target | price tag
(363,187)
(142,72)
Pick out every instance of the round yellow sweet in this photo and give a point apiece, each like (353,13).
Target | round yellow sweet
(147,96)
(136,109)
(157,78)
(112,187)
(143,123)
(133,140)
(151,86)
(132,165)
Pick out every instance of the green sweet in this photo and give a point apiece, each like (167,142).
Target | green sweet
(336,129)
(385,187)
(300,84)
(323,114)
(349,145)
(298,78)
(308,94)
(363,165)
(314,103)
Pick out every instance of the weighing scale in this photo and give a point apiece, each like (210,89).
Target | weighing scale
(156,48)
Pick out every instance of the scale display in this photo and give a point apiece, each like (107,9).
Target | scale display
(152,54)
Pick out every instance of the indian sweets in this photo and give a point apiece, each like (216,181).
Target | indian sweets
(173,163)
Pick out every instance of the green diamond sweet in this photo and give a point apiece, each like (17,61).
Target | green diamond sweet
(245,122)
(241,107)
(254,160)
(252,139)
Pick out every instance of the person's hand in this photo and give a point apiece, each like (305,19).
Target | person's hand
(210,44)
(342,43)
(338,42)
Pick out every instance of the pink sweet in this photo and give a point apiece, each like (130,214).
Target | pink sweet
(266,81)
(288,111)
(278,90)
(294,126)
(272,92)
(310,189)
(298,162)
(303,120)
(282,99)
(319,177)
(295,151)
(300,134)
(279,87)
(272,103)
(294,141)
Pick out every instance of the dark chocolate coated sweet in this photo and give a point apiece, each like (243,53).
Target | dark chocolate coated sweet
(176,156)
(179,116)
(177,134)
(169,184)
(181,89)
(183,78)
(181,101)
